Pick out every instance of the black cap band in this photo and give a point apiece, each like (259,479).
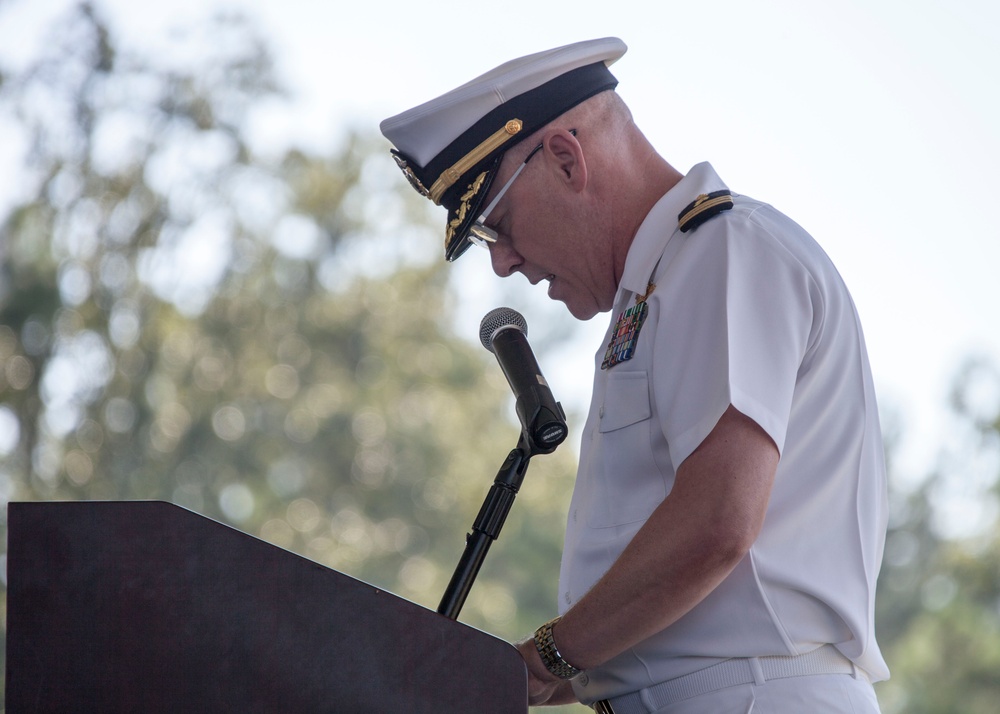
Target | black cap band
(535,108)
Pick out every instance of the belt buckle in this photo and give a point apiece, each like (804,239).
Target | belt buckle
(603,707)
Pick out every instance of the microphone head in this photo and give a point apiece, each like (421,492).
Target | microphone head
(501,318)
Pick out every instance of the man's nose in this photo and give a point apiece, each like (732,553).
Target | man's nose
(504,258)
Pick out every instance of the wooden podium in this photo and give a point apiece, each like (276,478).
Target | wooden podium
(128,607)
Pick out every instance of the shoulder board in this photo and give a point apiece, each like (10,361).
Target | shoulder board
(703,208)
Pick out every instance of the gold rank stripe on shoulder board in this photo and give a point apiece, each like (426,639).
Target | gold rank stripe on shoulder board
(704,207)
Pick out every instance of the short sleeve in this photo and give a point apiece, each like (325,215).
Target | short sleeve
(735,315)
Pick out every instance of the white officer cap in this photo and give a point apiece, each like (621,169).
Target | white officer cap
(451,147)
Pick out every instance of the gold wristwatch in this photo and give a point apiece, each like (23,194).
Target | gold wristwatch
(551,658)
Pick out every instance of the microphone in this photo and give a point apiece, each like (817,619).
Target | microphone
(504,332)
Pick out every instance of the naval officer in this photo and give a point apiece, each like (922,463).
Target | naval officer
(727,523)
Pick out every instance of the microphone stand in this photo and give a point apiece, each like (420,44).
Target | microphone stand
(486,527)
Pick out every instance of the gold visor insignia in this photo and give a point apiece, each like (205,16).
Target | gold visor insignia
(463,209)
(410,176)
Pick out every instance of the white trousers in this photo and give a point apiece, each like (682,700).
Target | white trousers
(813,694)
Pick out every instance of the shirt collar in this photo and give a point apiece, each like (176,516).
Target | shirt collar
(660,225)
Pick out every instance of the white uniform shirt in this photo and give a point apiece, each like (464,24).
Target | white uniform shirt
(748,310)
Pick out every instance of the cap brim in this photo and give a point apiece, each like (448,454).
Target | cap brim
(457,241)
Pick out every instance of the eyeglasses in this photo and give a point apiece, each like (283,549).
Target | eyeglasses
(479,233)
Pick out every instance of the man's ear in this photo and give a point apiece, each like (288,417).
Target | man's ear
(566,157)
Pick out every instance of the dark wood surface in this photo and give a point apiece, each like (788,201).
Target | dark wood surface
(147,607)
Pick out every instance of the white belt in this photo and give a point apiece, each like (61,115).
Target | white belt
(742,670)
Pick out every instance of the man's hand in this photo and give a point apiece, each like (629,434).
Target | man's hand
(544,688)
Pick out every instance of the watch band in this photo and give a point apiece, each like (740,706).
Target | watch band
(551,658)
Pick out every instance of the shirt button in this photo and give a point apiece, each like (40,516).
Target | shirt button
(584,679)
(600,412)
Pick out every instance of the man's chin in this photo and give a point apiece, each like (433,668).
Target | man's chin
(580,312)
(582,307)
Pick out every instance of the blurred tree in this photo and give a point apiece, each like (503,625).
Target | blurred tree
(267,341)
(184,319)
(938,611)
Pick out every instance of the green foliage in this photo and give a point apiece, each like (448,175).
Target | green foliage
(268,341)
(938,607)
(186,320)
(948,657)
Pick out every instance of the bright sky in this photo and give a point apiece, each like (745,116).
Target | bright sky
(873,123)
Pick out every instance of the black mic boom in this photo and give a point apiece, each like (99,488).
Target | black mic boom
(503,332)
